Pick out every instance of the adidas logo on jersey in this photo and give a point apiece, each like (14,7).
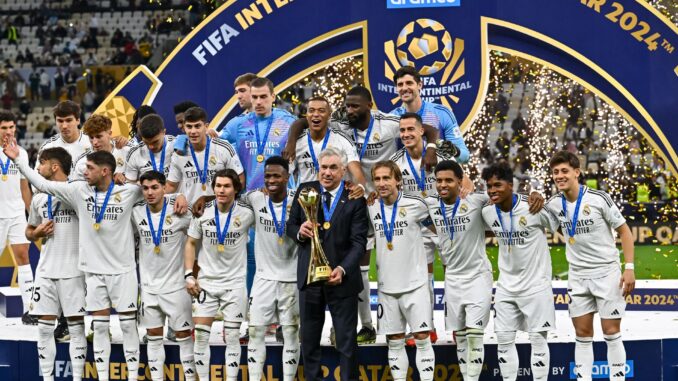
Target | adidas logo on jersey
(239,316)
(306,155)
(479,322)
(131,306)
(546,325)
(186,324)
(615,313)
(561,214)
(377,216)
(263,210)
(406,172)
(423,325)
(90,199)
(438,212)
(143,223)
(496,224)
(82,309)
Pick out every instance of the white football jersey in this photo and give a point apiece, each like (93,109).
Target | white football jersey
(11,203)
(594,249)
(120,155)
(526,268)
(139,159)
(163,272)
(303,162)
(465,256)
(275,261)
(405,267)
(382,142)
(227,269)
(76,149)
(109,250)
(410,185)
(59,252)
(184,172)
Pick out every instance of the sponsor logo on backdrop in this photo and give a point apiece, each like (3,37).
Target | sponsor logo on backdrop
(602,370)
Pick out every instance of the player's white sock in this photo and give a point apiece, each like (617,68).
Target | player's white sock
(101,345)
(25,280)
(155,352)
(476,352)
(507,355)
(46,348)
(233,351)
(77,348)
(290,355)
(616,356)
(462,351)
(256,352)
(583,358)
(202,351)
(186,357)
(425,359)
(541,357)
(364,309)
(130,345)
(397,359)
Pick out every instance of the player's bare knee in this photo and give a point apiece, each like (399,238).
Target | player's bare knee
(105,312)
(21,254)
(420,335)
(75,318)
(158,331)
(47,317)
(611,326)
(183,334)
(397,336)
(128,313)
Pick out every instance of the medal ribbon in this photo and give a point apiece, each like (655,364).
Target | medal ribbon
(501,222)
(162,158)
(201,174)
(419,177)
(100,215)
(367,137)
(221,234)
(328,213)
(4,167)
(310,148)
(450,225)
(389,228)
(261,143)
(156,238)
(573,228)
(279,228)
(50,213)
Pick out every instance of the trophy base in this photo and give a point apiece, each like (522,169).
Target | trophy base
(321,274)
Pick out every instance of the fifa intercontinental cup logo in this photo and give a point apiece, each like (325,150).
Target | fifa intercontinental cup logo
(318,265)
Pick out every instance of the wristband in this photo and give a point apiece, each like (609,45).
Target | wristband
(432,145)
(188,274)
(629,266)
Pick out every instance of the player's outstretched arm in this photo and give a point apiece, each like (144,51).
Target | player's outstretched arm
(535,201)
(628,279)
(293,133)
(430,160)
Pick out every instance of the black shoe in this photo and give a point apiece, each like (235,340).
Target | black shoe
(27,319)
(61,333)
(171,335)
(366,336)
(278,335)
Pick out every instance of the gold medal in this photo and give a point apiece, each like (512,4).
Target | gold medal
(389,245)
(327,225)
(571,240)
(96,226)
(156,249)
(220,248)
(423,194)
(280,240)
(4,177)
(204,187)
(260,158)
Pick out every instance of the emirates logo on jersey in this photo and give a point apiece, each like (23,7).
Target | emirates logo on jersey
(522,222)
(587,210)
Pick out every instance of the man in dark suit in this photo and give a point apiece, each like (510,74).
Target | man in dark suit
(343,244)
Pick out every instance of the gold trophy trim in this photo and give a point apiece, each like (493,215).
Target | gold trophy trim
(318,266)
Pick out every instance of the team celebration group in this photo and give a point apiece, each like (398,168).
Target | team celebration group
(179,231)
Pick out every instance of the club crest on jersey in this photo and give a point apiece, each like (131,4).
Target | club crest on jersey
(276,131)
(236,222)
(587,209)
(117,197)
(402,213)
(522,222)
(119,162)
(376,137)
(463,208)
(168,220)
(213,160)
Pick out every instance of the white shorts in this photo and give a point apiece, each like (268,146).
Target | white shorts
(602,295)
(468,301)
(119,291)
(13,230)
(176,306)
(530,313)
(232,303)
(54,296)
(272,301)
(396,311)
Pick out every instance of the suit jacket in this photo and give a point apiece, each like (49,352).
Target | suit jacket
(343,244)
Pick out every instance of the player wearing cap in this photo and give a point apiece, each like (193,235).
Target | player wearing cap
(59,284)
(221,233)
(162,233)
(274,297)
(404,299)
(524,297)
(588,219)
